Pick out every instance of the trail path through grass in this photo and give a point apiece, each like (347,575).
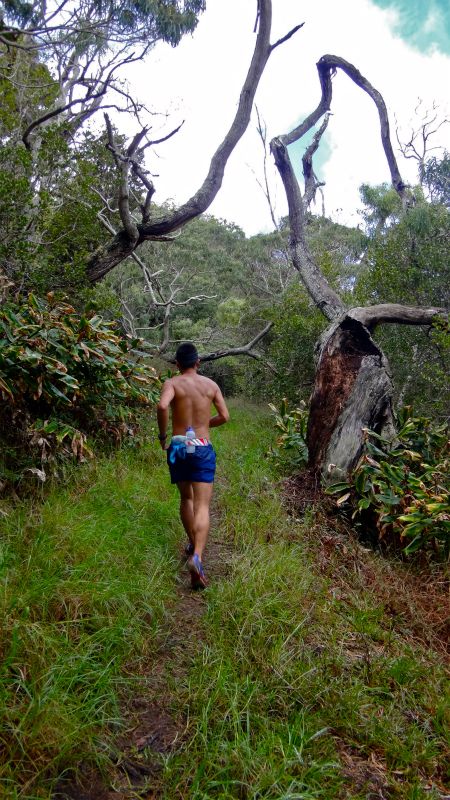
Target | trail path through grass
(288,678)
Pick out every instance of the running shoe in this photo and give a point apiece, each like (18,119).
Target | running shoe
(189,549)
(195,567)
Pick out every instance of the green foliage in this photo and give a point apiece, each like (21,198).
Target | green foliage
(437,373)
(156,19)
(405,482)
(48,351)
(291,451)
(47,234)
(409,263)
(383,205)
(58,367)
(435,174)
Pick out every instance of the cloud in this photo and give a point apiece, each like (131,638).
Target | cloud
(423,25)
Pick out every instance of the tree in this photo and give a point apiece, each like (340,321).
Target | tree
(156,226)
(409,262)
(83,45)
(60,63)
(353,387)
(435,175)
(82,52)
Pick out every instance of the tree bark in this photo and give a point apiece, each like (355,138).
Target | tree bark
(353,390)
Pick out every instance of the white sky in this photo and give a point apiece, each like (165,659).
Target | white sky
(200,81)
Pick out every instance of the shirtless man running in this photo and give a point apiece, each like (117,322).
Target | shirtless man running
(190,397)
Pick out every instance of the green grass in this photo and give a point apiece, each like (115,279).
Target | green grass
(298,675)
(288,677)
(80,598)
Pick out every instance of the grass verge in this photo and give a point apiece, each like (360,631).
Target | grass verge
(86,577)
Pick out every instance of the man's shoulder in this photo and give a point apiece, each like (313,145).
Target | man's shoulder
(170,381)
(175,383)
(208,381)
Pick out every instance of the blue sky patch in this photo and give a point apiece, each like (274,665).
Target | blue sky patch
(423,24)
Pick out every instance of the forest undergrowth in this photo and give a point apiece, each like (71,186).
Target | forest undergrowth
(312,667)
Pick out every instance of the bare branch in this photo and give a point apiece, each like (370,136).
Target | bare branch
(371,316)
(225,352)
(324,296)
(55,112)
(123,165)
(288,36)
(195,297)
(326,67)
(422,134)
(262,133)
(120,247)
(163,139)
(311,182)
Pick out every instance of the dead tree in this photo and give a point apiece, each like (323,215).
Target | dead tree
(426,123)
(155,226)
(353,387)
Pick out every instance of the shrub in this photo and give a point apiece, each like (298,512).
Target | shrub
(291,451)
(60,372)
(405,482)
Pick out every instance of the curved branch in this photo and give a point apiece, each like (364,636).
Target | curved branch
(107,258)
(324,105)
(326,67)
(324,296)
(331,62)
(56,112)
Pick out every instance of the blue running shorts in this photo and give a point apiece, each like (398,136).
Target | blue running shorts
(199,466)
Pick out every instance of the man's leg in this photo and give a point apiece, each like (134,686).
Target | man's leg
(187,508)
(202,493)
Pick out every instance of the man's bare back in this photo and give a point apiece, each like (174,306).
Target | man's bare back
(190,397)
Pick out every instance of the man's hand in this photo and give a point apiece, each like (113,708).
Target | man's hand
(164,444)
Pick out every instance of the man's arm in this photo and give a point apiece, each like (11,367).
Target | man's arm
(223,415)
(162,413)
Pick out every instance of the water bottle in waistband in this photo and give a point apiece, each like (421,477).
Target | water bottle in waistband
(190,434)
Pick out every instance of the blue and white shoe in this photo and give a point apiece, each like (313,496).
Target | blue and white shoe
(189,549)
(195,567)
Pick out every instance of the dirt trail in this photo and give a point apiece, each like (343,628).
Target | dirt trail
(150,729)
